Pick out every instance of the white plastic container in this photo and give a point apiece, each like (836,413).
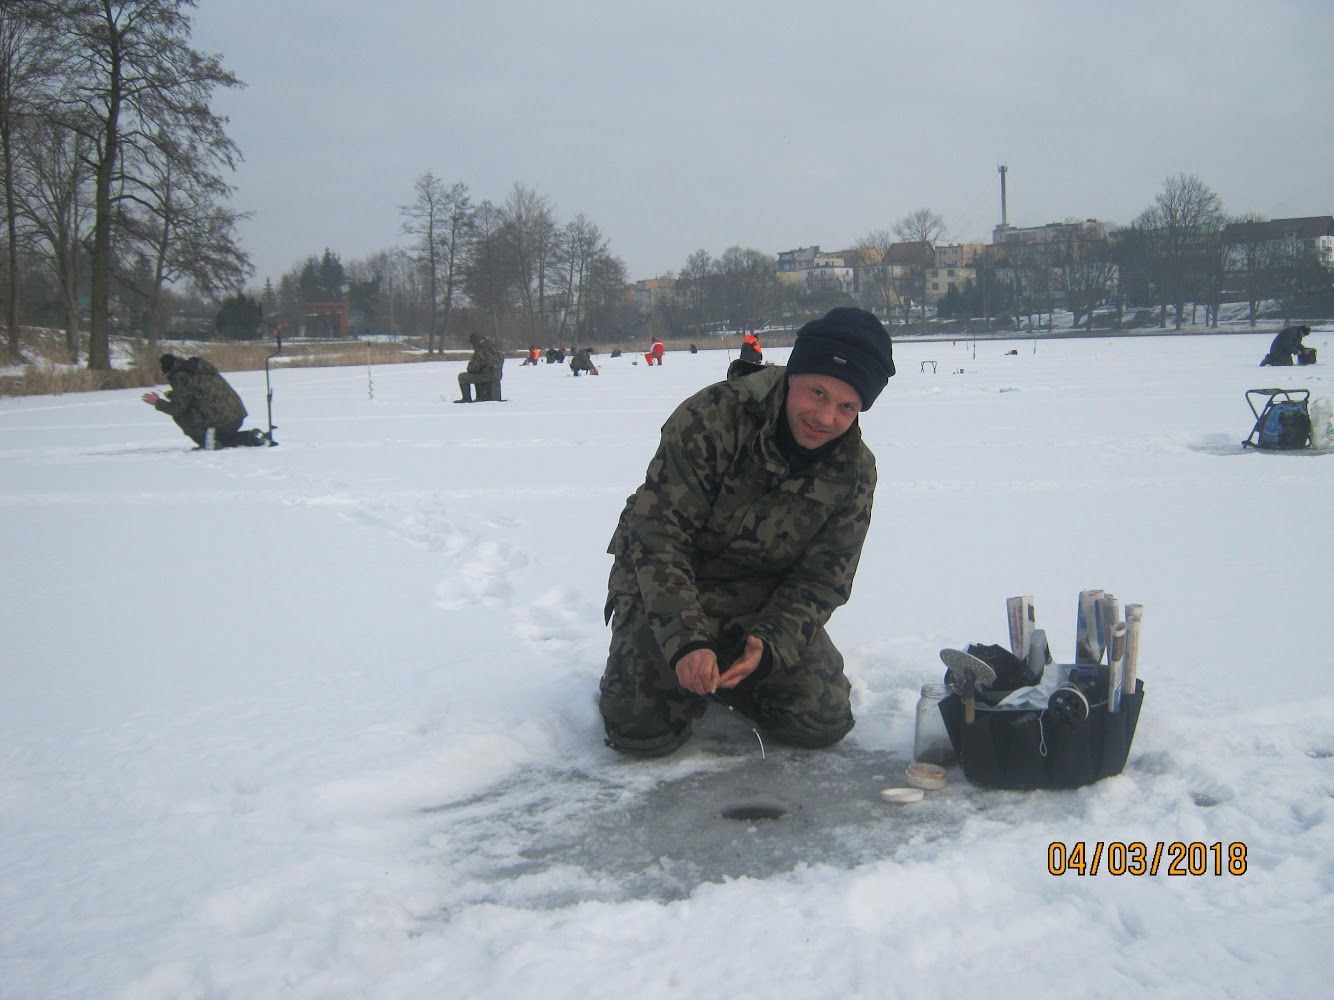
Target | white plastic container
(1322,424)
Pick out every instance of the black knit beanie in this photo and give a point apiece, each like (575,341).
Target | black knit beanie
(167,362)
(848,344)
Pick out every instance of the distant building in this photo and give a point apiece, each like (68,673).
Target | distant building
(809,267)
(830,273)
(800,259)
(649,292)
(940,281)
(901,255)
(1246,241)
(314,320)
(958,254)
(1052,232)
(953,270)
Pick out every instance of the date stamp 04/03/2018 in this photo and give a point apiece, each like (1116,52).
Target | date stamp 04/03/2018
(1138,857)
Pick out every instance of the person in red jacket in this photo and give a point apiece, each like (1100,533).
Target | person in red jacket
(655,353)
(751,350)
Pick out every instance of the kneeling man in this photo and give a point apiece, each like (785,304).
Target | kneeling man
(741,542)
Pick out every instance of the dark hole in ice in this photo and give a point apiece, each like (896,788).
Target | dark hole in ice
(754,810)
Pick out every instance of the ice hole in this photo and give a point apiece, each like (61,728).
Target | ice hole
(754,810)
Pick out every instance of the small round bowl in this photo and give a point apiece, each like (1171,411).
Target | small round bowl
(927,776)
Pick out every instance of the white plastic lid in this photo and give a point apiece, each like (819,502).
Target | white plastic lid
(902,796)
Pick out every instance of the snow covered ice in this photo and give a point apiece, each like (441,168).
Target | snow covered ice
(320,720)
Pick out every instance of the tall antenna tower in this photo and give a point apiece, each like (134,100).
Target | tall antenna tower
(1002,169)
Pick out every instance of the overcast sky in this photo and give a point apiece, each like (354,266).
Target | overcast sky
(678,126)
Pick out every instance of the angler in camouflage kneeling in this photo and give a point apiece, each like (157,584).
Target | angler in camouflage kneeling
(203,404)
(743,539)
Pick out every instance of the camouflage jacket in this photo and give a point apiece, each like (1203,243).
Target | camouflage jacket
(201,398)
(722,529)
(486,361)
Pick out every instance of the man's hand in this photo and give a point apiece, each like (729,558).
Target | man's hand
(151,398)
(745,664)
(697,671)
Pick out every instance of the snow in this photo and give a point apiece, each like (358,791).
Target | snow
(319,720)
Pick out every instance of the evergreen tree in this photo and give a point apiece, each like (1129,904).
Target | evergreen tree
(239,318)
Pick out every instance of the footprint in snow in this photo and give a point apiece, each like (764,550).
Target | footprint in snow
(483,577)
(556,619)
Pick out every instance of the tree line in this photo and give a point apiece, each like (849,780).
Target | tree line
(512,269)
(1170,262)
(112,163)
(1182,254)
(113,168)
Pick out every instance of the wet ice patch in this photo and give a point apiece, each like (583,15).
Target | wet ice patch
(552,836)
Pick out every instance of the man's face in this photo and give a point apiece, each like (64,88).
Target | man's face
(820,408)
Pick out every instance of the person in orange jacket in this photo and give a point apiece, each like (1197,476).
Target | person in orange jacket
(751,350)
(655,353)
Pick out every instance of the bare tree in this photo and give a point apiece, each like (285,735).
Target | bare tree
(1250,254)
(27,65)
(1036,272)
(56,204)
(875,276)
(606,312)
(137,78)
(439,217)
(171,215)
(396,281)
(747,284)
(1207,271)
(488,273)
(694,282)
(1294,269)
(581,246)
(1185,214)
(530,237)
(1139,254)
(921,229)
(1087,271)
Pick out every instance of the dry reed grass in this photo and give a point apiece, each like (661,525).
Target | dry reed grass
(46,369)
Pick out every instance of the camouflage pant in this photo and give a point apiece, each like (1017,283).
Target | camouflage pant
(195,427)
(488,388)
(805,704)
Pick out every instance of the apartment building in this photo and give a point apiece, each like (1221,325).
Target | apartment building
(810,267)
(1052,232)
(940,281)
(651,291)
(1244,242)
(958,254)
(800,259)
